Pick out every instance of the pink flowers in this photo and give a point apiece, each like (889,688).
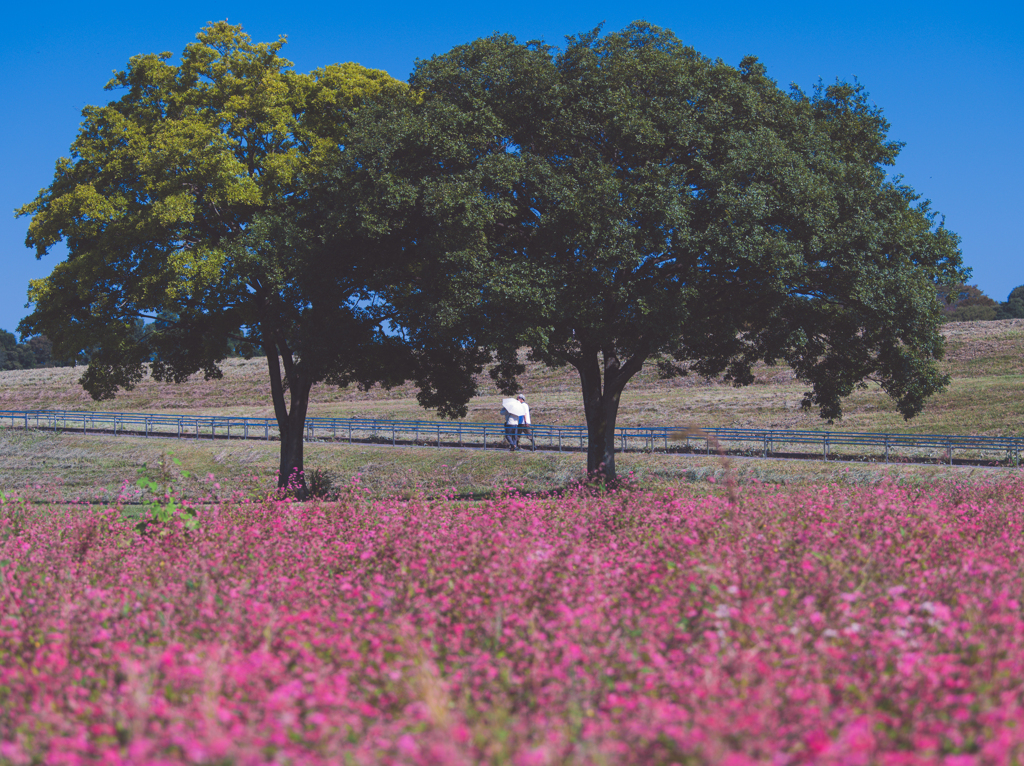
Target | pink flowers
(808,626)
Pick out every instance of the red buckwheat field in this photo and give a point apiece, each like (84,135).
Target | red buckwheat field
(778,625)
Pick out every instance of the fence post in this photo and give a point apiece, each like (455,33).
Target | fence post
(887,448)
(439,435)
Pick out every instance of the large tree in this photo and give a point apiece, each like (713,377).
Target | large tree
(192,198)
(626,199)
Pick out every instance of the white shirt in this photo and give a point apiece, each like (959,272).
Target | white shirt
(513,420)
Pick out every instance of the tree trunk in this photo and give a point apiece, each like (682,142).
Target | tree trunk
(291,420)
(291,473)
(601,394)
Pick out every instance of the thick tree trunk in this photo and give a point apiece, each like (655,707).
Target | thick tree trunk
(291,420)
(291,473)
(601,394)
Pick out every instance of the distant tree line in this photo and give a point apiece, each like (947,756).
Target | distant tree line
(37,351)
(34,352)
(966,303)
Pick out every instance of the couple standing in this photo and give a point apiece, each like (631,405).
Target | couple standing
(516,414)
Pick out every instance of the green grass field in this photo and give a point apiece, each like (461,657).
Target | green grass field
(985,360)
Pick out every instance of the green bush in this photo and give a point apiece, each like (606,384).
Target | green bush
(1013,308)
(974,313)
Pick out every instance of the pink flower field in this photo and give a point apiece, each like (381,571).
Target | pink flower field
(822,625)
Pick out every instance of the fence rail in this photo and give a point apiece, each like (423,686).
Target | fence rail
(753,441)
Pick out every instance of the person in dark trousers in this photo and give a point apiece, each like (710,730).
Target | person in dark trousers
(516,422)
(524,420)
(511,428)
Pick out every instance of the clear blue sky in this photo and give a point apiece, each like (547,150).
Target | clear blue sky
(948,76)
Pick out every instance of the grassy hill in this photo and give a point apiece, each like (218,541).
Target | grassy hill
(985,360)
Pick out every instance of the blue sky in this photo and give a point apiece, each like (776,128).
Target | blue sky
(946,74)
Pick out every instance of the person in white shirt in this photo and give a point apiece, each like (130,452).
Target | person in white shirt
(516,423)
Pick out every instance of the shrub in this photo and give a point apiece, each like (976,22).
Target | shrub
(965,303)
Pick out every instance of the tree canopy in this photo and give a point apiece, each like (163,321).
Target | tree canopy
(627,199)
(30,353)
(192,198)
(1013,306)
(620,200)
(966,303)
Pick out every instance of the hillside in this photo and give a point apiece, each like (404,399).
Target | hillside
(985,360)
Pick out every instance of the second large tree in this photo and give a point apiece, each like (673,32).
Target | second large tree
(627,199)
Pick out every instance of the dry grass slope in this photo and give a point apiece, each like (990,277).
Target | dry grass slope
(986,360)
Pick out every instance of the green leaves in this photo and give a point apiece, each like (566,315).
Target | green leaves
(627,197)
(621,198)
(161,203)
(204,193)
